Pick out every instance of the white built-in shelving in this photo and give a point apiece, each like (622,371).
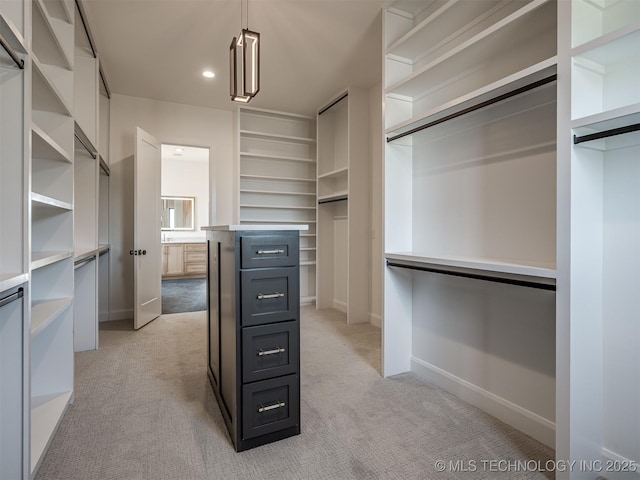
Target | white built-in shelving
(343,176)
(14,232)
(52,215)
(277,178)
(470,202)
(598,232)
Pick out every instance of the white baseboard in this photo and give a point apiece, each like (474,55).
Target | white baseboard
(375,320)
(524,420)
(617,467)
(126,314)
(340,305)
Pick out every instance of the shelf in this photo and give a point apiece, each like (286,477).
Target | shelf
(334,197)
(83,254)
(52,102)
(59,9)
(12,35)
(271,156)
(279,192)
(103,248)
(494,38)
(84,141)
(614,118)
(512,85)
(307,299)
(42,259)
(46,413)
(277,207)
(54,27)
(284,179)
(612,47)
(307,234)
(531,275)
(307,249)
(44,312)
(275,137)
(46,148)
(11,280)
(39,200)
(435,30)
(307,263)
(277,221)
(334,173)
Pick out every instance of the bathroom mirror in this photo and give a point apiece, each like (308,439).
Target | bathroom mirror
(178,213)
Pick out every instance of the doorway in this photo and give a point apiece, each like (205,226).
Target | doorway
(184,210)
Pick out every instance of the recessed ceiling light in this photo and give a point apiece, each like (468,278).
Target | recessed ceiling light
(208,74)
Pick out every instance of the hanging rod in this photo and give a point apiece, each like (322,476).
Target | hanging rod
(12,53)
(336,199)
(105,168)
(86,29)
(473,108)
(10,298)
(475,276)
(104,81)
(82,142)
(606,133)
(81,263)
(344,95)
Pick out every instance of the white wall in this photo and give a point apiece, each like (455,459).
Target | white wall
(169,123)
(187,178)
(377,141)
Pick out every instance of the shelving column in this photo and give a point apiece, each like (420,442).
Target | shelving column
(14,256)
(277,179)
(598,371)
(51,264)
(344,179)
(104,267)
(86,189)
(470,203)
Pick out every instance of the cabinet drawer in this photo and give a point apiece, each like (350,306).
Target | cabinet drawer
(269,295)
(270,351)
(269,406)
(195,257)
(269,251)
(195,268)
(195,247)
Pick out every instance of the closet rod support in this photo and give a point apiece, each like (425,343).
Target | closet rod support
(473,108)
(10,298)
(606,133)
(475,276)
(12,53)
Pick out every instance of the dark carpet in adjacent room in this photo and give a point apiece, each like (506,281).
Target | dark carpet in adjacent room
(184,295)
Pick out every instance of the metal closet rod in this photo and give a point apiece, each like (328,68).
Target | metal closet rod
(83,143)
(10,298)
(92,45)
(473,108)
(606,133)
(475,276)
(331,200)
(341,97)
(12,53)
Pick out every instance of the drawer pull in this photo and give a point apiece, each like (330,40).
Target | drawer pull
(271,407)
(270,252)
(275,351)
(267,296)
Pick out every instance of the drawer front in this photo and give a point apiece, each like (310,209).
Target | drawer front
(195,257)
(195,268)
(270,405)
(269,295)
(195,247)
(269,251)
(270,351)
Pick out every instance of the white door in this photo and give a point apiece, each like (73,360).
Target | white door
(146,233)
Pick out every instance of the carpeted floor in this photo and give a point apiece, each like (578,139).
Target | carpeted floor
(184,295)
(144,410)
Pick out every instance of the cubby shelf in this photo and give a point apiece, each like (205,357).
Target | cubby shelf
(60,33)
(39,200)
(279,192)
(334,197)
(54,101)
(609,48)
(272,178)
(43,146)
(12,34)
(275,137)
(284,158)
(46,413)
(43,259)
(11,280)
(44,312)
(277,207)
(334,173)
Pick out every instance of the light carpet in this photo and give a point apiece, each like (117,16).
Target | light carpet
(144,410)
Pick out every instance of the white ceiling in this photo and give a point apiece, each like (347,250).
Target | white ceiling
(184,153)
(311,49)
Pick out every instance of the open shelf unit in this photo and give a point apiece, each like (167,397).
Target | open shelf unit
(470,200)
(343,205)
(598,231)
(277,174)
(14,236)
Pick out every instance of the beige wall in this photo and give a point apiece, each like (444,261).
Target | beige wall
(169,123)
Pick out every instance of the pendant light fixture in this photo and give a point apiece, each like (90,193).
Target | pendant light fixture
(244,62)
